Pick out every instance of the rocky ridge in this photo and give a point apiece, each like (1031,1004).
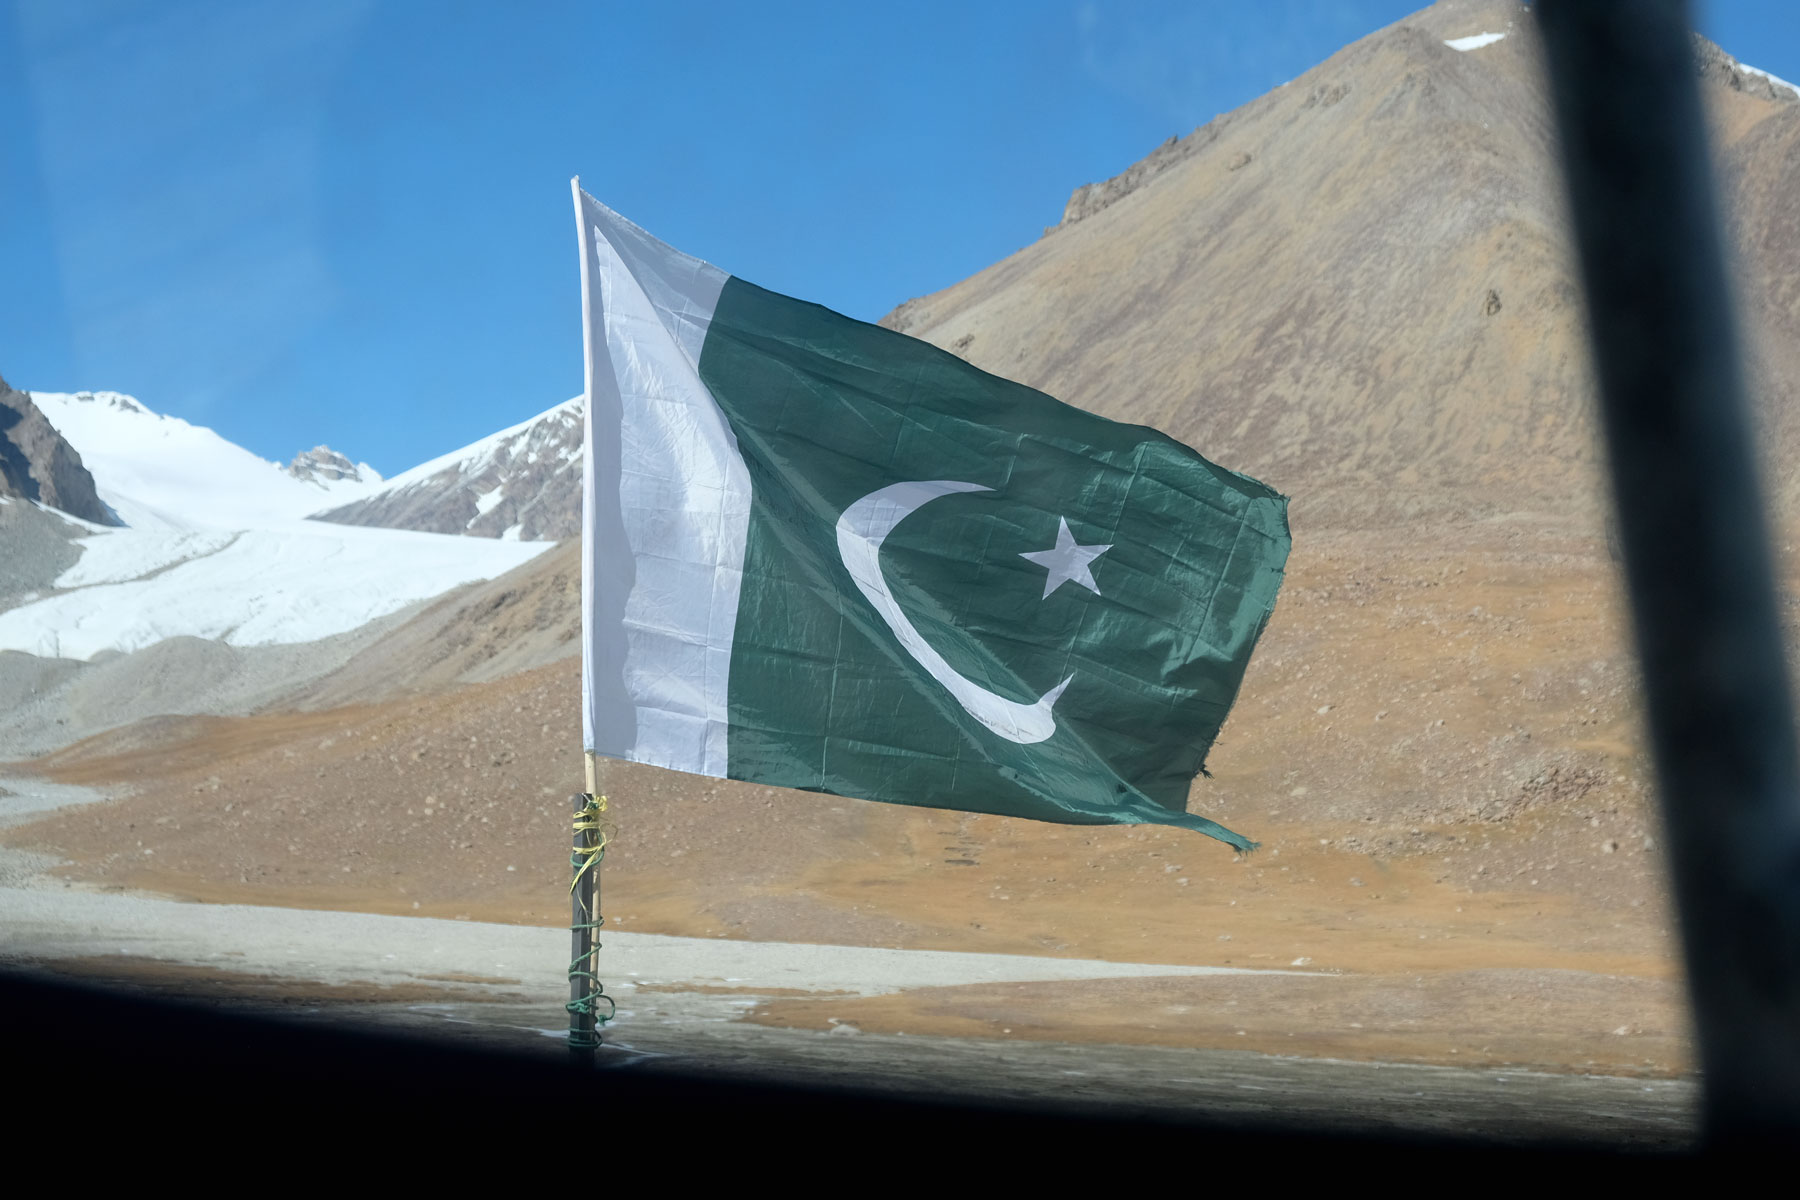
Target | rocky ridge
(37,463)
(1714,64)
(521,483)
(1358,287)
(1711,63)
(322,464)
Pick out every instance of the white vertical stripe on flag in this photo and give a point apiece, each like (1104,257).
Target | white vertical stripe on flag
(666,507)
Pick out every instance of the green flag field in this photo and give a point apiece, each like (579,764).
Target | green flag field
(827,556)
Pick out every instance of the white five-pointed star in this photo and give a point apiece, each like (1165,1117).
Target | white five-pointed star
(1067,561)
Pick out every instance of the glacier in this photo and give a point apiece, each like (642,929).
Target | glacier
(217,544)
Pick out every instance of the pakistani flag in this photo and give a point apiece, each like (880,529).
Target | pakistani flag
(823,555)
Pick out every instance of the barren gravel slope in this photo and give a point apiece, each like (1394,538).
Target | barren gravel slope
(1358,286)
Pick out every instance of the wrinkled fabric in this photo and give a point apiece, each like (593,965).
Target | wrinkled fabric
(897,633)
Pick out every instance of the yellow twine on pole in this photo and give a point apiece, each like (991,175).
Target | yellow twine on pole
(584,857)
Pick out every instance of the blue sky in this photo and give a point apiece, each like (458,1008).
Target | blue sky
(348,220)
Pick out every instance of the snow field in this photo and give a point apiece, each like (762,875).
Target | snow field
(263,587)
(216,546)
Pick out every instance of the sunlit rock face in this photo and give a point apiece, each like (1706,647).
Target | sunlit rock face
(322,464)
(37,463)
(522,483)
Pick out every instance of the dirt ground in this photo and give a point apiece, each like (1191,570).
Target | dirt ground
(1435,746)
(1509,1017)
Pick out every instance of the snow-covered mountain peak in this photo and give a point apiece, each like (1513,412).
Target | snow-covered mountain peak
(545,435)
(160,471)
(115,400)
(1715,63)
(522,483)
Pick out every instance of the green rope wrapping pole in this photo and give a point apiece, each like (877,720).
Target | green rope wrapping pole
(586,993)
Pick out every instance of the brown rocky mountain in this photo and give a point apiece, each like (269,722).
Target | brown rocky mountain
(1358,287)
(37,463)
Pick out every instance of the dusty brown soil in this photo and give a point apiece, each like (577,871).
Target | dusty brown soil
(1435,746)
(1520,1019)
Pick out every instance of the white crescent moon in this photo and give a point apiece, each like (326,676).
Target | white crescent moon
(860,531)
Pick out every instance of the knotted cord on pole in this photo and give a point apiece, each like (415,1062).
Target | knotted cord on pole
(587,994)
